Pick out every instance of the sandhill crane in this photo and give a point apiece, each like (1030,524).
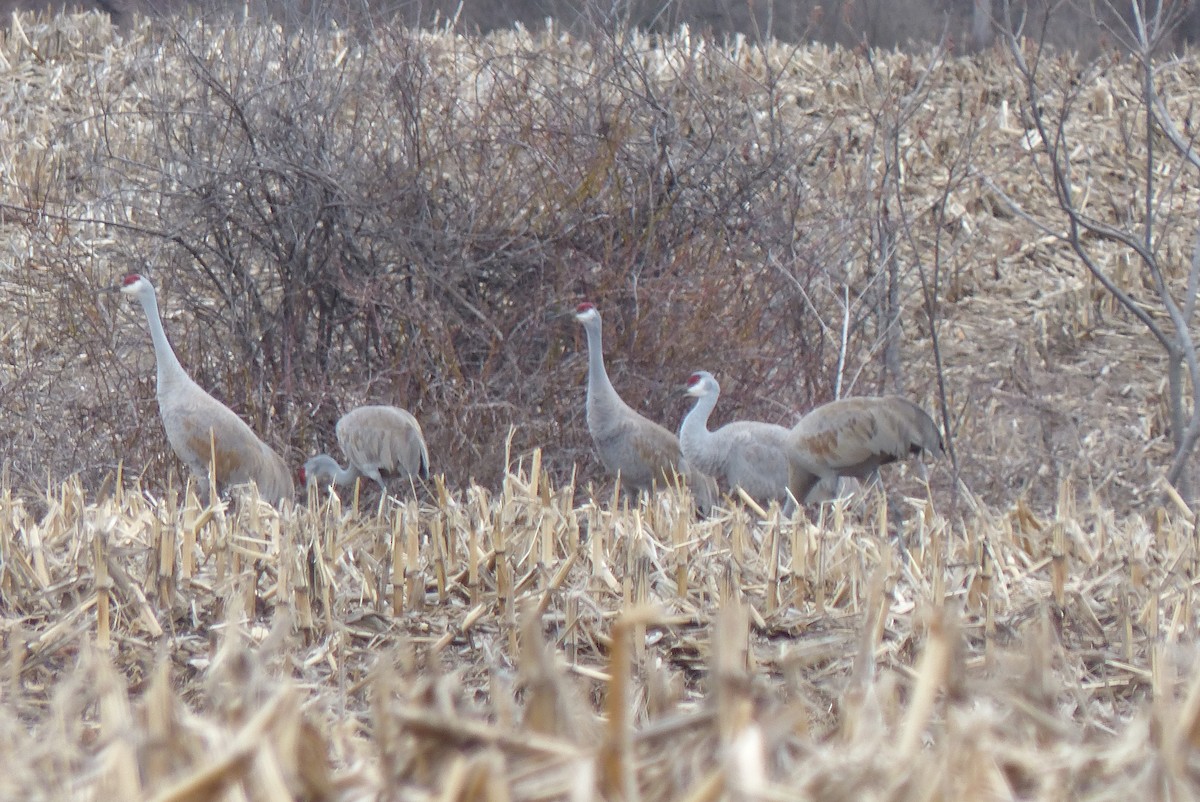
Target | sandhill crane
(745,454)
(638,450)
(379,442)
(853,437)
(204,432)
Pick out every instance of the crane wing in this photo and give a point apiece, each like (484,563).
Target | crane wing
(381,437)
(763,459)
(844,434)
(272,476)
(205,433)
(754,457)
(704,487)
(854,436)
(204,436)
(658,449)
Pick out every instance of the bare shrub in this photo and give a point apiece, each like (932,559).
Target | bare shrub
(377,215)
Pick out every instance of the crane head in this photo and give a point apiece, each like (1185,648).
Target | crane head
(133,283)
(321,470)
(586,312)
(702,383)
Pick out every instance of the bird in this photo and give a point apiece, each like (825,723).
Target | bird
(745,454)
(640,452)
(854,437)
(204,433)
(379,442)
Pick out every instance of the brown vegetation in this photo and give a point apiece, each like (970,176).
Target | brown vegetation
(402,218)
(527,646)
(336,217)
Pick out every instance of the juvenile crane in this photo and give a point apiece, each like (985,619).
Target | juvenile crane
(745,454)
(854,437)
(638,450)
(202,431)
(379,442)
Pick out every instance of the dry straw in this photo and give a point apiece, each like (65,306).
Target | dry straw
(535,643)
(521,647)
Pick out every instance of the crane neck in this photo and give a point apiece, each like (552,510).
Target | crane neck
(341,476)
(599,389)
(170,371)
(695,423)
(325,465)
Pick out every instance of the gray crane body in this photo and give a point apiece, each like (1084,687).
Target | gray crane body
(854,437)
(203,432)
(634,448)
(379,442)
(745,454)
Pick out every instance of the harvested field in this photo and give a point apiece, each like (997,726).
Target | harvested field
(1028,632)
(538,645)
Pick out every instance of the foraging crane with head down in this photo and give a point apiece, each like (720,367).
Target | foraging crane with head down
(745,454)
(379,442)
(204,433)
(639,451)
(854,437)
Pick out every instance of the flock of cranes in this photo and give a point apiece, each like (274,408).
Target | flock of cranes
(851,437)
(208,436)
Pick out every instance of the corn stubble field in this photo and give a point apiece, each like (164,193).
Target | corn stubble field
(539,639)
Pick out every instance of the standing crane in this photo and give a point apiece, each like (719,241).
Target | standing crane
(745,454)
(639,451)
(379,442)
(854,437)
(205,433)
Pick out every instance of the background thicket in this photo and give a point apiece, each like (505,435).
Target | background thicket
(1081,25)
(335,218)
(336,214)
(342,214)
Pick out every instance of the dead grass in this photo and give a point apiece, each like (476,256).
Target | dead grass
(530,641)
(539,645)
